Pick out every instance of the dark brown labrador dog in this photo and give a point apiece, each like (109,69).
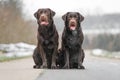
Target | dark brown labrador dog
(72,39)
(44,55)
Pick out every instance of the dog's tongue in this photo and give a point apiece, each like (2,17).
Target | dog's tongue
(44,23)
(72,27)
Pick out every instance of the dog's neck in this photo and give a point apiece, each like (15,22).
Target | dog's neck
(46,31)
(72,32)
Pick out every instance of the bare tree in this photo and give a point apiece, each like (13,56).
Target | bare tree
(13,27)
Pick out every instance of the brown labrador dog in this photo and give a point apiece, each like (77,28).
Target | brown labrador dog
(44,54)
(72,39)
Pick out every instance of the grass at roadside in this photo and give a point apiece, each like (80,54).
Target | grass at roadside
(4,58)
(108,55)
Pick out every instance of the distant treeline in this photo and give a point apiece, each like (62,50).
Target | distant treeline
(14,28)
(102,22)
(109,42)
(96,21)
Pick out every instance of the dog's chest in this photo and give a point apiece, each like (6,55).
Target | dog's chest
(72,37)
(48,44)
(48,41)
(72,40)
(48,47)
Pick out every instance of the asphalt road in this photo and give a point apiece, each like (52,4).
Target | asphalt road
(96,69)
(18,70)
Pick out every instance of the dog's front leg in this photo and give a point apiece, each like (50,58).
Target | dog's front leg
(41,51)
(53,65)
(66,66)
(43,57)
(80,59)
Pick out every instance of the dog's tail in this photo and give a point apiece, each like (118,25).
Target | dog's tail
(60,58)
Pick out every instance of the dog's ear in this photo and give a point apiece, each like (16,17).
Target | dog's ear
(36,13)
(64,16)
(51,12)
(81,17)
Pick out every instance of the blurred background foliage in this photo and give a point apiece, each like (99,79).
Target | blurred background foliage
(15,28)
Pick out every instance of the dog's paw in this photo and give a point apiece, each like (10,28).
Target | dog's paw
(53,66)
(66,67)
(43,66)
(81,67)
(36,66)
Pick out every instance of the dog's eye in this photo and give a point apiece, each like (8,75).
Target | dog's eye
(75,16)
(40,12)
(70,16)
(45,11)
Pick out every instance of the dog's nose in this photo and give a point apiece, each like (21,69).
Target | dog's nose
(72,20)
(42,16)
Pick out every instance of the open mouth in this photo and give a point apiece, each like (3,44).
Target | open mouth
(44,21)
(72,26)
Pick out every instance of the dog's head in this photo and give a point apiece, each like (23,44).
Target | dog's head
(72,20)
(44,16)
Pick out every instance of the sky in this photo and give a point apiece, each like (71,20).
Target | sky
(85,7)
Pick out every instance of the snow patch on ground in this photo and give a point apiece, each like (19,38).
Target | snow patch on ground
(105,53)
(99,52)
(17,50)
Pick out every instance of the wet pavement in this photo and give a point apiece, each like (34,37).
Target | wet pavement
(96,69)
